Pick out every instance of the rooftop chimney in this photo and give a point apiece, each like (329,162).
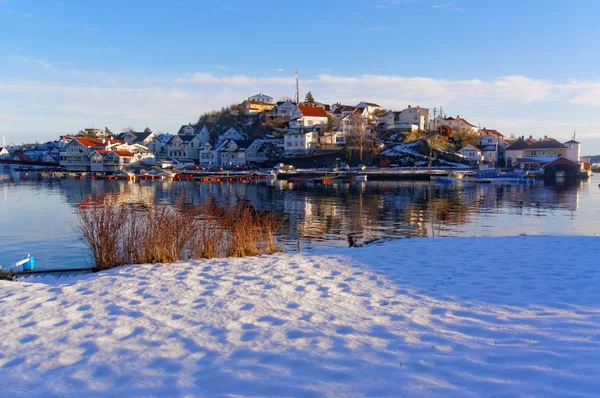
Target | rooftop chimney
(545,137)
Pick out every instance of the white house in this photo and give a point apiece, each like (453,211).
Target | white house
(573,150)
(401,121)
(186,130)
(515,151)
(4,153)
(181,147)
(203,134)
(306,116)
(283,110)
(234,153)
(232,134)
(208,156)
(472,153)
(493,149)
(110,161)
(75,155)
(299,142)
(158,146)
(455,123)
(260,97)
(416,116)
(141,138)
(370,107)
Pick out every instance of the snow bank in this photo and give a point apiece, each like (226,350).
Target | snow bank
(461,317)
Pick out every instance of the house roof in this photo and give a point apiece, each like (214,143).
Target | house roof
(562,162)
(568,142)
(546,143)
(370,104)
(348,108)
(260,94)
(466,147)
(140,137)
(183,127)
(518,145)
(489,148)
(460,120)
(96,142)
(314,111)
(490,131)
(186,138)
(421,111)
(123,153)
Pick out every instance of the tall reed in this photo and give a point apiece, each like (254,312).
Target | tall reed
(120,234)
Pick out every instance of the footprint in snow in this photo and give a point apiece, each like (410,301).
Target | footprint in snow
(274,321)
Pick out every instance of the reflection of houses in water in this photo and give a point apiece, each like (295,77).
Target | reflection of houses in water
(375,209)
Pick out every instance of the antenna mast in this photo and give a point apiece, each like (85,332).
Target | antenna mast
(297,88)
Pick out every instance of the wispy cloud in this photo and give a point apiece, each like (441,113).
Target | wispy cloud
(447,7)
(228,9)
(39,62)
(235,80)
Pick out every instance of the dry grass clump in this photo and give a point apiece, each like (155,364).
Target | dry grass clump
(251,232)
(119,234)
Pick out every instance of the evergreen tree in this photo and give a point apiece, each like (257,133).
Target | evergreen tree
(147,130)
(309,99)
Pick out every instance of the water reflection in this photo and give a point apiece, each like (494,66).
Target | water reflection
(324,215)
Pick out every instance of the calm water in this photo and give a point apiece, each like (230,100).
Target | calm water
(36,216)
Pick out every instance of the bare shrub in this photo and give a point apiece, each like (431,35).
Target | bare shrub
(101,226)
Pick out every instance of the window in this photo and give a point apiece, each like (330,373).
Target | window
(489,140)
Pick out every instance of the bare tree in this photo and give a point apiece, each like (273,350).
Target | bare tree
(357,136)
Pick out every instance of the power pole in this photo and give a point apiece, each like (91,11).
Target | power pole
(297,89)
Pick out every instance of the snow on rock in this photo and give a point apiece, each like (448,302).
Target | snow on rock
(410,149)
(458,317)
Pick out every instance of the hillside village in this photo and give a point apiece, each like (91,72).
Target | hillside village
(260,132)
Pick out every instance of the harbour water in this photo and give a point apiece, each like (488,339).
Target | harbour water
(37,215)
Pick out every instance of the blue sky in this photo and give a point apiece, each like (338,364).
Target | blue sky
(522,67)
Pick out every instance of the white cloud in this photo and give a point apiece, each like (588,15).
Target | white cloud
(518,104)
(236,80)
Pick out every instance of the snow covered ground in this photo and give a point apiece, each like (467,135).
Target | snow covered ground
(458,317)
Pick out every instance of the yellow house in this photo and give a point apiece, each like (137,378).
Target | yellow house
(250,107)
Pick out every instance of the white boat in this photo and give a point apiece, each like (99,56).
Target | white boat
(165,174)
(452,176)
